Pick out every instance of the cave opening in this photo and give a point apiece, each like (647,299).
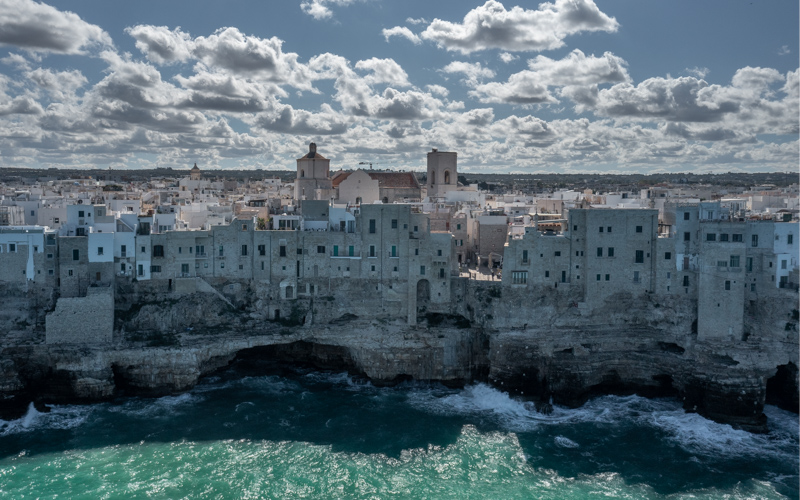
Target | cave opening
(782,388)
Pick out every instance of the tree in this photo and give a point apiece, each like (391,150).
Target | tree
(261,224)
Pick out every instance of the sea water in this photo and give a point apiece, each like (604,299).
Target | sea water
(306,434)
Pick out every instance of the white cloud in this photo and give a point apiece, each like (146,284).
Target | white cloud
(40,27)
(401,31)
(576,71)
(784,50)
(438,90)
(507,58)
(697,71)
(161,45)
(384,71)
(420,20)
(319,10)
(61,85)
(473,72)
(491,26)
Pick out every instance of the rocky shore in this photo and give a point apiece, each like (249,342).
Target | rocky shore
(728,383)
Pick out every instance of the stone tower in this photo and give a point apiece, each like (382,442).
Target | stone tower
(442,173)
(313,176)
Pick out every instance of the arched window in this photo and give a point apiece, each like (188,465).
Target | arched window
(302,173)
(433,178)
(447,177)
(386,199)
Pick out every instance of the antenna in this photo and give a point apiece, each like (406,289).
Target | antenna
(366,163)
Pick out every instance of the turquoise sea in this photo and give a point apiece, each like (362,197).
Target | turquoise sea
(293,433)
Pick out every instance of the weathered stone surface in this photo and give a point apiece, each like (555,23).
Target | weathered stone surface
(538,344)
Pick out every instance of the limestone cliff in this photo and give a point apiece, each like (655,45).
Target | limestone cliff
(542,344)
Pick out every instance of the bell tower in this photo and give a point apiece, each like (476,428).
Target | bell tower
(313,180)
(442,173)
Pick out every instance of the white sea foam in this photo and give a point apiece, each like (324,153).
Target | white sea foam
(59,417)
(566,442)
(690,431)
(163,407)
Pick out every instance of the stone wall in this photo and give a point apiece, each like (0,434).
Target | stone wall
(82,320)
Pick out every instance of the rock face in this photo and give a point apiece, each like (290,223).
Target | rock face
(538,346)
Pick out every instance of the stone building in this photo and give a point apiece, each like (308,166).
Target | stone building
(442,173)
(313,180)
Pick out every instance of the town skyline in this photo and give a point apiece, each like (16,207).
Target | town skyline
(562,87)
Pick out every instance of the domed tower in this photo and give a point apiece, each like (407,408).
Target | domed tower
(442,173)
(194,173)
(313,180)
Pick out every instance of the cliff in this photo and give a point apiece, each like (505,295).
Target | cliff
(542,345)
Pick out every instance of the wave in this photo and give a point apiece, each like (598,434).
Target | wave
(690,431)
(59,417)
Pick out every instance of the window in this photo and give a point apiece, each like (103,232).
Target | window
(155,269)
(783,264)
(351,250)
(519,277)
(143,250)
(754,240)
(575,227)
(524,256)
(372,268)
(610,251)
(547,274)
(320,248)
(639,256)
(99,250)
(372,225)
(722,263)
(49,256)
(282,252)
(12,247)
(667,255)
(749,267)
(335,250)
(81,213)
(601,229)
(244,250)
(638,229)
(599,251)
(184,268)
(394,223)
(299,251)
(200,250)
(416,251)
(244,227)
(55,220)
(608,277)
(441,272)
(140,270)
(789,239)
(422,270)
(685,215)
(416,229)
(685,281)
(69,272)
(727,285)
(737,237)
(76,254)
(687,236)
(752,287)
(262,250)
(711,237)
(636,276)
(598,277)
(221,251)
(438,253)
(608,229)
(723,237)
(734,261)
(180,250)
(394,251)
(372,250)
(558,253)
(458,227)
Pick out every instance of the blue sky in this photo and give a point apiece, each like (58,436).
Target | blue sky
(562,86)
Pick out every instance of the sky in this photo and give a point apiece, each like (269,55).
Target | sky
(567,86)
